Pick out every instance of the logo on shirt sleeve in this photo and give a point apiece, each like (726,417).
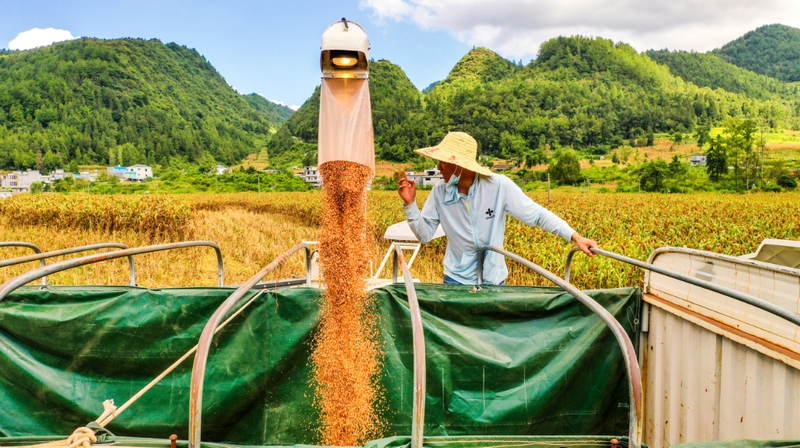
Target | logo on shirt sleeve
(489,213)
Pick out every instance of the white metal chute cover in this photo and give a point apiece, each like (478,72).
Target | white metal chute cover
(401,231)
(345,122)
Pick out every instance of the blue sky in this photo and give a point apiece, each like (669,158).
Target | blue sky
(272,47)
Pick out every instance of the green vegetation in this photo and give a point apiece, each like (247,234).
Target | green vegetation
(96,102)
(589,94)
(273,113)
(123,101)
(186,179)
(709,70)
(772,50)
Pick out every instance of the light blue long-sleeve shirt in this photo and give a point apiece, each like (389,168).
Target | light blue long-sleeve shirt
(476,220)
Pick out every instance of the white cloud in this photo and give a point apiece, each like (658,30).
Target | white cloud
(281,103)
(294,107)
(38,37)
(516,28)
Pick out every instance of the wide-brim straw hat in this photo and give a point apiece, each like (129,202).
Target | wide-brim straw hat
(458,148)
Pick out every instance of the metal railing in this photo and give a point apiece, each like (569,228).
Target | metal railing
(30,246)
(204,345)
(20,280)
(736,295)
(41,256)
(628,352)
(418,339)
(21,244)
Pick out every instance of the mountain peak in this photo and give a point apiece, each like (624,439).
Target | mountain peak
(479,65)
(772,50)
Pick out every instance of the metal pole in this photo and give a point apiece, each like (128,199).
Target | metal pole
(740,296)
(625,344)
(32,246)
(41,256)
(548,187)
(418,337)
(55,253)
(394,265)
(309,255)
(204,345)
(11,285)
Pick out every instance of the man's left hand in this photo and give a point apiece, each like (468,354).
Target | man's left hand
(584,243)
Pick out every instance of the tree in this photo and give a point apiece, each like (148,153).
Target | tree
(703,134)
(676,168)
(787,181)
(565,168)
(512,147)
(36,187)
(653,175)
(716,159)
(739,139)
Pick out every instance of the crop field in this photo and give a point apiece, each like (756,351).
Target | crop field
(253,230)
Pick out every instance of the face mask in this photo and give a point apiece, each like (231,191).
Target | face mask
(451,190)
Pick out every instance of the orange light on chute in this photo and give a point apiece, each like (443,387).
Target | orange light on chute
(344,59)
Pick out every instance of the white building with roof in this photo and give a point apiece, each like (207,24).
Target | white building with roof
(141,172)
(698,160)
(427,178)
(20,181)
(121,171)
(311,175)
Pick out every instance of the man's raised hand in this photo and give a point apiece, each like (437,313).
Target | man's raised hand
(407,188)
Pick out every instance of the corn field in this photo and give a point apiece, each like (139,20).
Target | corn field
(253,230)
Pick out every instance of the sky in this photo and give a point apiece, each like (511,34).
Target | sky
(271,47)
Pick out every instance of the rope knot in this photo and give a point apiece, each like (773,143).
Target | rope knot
(83,437)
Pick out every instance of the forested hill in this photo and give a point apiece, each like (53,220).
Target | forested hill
(123,101)
(587,93)
(274,113)
(709,70)
(772,50)
(478,66)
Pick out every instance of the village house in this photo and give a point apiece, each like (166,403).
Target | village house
(122,172)
(427,178)
(141,172)
(58,174)
(20,181)
(91,176)
(219,170)
(310,175)
(698,160)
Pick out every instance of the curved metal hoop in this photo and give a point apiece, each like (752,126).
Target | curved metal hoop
(625,344)
(16,282)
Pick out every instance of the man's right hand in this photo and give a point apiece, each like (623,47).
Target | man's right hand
(406,188)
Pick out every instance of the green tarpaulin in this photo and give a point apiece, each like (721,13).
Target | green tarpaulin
(501,361)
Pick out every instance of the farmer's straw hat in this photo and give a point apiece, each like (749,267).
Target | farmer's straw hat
(458,148)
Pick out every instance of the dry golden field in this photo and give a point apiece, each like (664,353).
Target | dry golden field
(253,231)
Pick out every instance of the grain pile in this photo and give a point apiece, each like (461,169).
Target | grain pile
(346,353)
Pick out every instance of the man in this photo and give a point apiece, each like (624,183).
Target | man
(471,204)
